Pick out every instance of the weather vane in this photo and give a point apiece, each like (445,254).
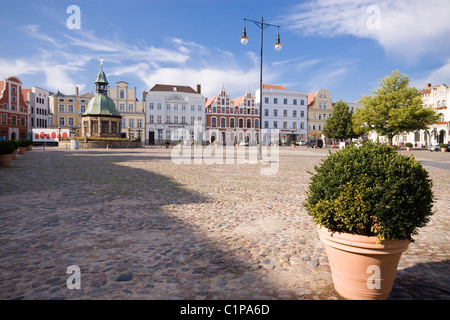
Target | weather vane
(101,62)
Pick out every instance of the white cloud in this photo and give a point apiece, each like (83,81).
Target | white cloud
(409,29)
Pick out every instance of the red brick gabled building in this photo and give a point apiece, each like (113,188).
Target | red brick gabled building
(232,121)
(13,110)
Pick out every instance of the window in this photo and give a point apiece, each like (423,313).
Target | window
(294,125)
(168,106)
(257,123)
(192,120)
(175,119)
(13,99)
(294,113)
(130,107)
(302,102)
(183,119)
(71,121)
(294,102)
(275,100)
(122,107)
(241,123)
(151,106)
(168,134)
(61,108)
(131,123)
(70,108)
(285,125)
(159,106)
(249,123)
(266,100)
(5,106)
(285,101)
(302,125)
(4,118)
(139,123)
(266,124)
(122,94)
(284,113)
(213,122)
(83,109)
(302,114)
(168,119)
(62,121)
(200,108)
(444,103)
(61,100)
(266,112)
(159,119)
(150,120)
(13,89)
(223,123)
(231,122)
(124,125)
(275,124)
(175,107)
(192,108)
(275,112)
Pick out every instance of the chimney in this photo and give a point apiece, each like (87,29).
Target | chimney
(427,85)
(199,88)
(76,91)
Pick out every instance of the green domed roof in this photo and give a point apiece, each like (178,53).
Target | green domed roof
(101,105)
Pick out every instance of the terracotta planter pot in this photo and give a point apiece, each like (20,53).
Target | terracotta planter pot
(362,269)
(443,149)
(29,147)
(5,160)
(408,148)
(22,150)
(13,155)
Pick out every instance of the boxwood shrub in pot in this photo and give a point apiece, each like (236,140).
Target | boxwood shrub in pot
(368,195)
(7,149)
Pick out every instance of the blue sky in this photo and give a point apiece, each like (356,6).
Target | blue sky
(343,46)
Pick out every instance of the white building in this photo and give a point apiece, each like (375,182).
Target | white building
(285,110)
(38,107)
(436,97)
(173,107)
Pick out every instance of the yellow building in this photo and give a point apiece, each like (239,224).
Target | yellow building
(320,108)
(131,109)
(67,109)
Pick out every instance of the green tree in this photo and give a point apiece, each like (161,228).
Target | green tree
(339,125)
(394,108)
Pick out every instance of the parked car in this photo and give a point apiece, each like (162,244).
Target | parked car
(301,143)
(315,144)
(434,148)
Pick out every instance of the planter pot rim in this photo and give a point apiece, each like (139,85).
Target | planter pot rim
(361,244)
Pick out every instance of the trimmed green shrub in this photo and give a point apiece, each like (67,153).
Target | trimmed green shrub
(443,146)
(22,142)
(370,190)
(408,145)
(7,147)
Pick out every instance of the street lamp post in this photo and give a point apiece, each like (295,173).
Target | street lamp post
(244,40)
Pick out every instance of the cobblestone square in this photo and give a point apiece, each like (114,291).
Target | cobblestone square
(141,227)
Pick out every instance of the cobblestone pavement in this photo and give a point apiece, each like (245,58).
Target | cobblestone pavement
(142,227)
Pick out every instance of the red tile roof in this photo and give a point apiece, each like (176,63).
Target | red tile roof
(268,86)
(239,100)
(311,98)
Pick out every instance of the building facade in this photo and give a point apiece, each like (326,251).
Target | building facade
(435,97)
(284,110)
(232,121)
(14,117)
(320,108)
(66,111)
(170,108)
(131,109)
(38,100)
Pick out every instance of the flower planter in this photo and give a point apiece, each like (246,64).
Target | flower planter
(5,160)
(443,149)
(29,147)
(22,150)
(362,269)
